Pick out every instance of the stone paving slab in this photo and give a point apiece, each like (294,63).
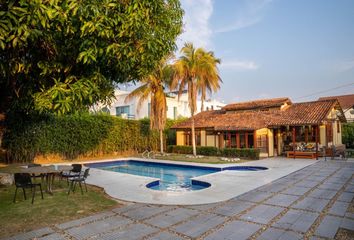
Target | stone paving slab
(339,208)
(32,234)
(95,228)
(346,197)
(262,214)
(54,236)
(297,220)
(172,217)
(272,188)
(331,186)
(349,188)
(312,204)
(282,200)
(129,207)
(298,191)
(347,224)
(328,227)
(277,234)
(338,180)
(255,196)
(204,207)
(85,220)
(132,232)
(323,193)
(233,208)
(308,184)
(147,211)
(197,226)
(165,236)
(235,230)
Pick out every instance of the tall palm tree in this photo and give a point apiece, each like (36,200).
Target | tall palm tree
(153,87)
(197,70)
(210,81)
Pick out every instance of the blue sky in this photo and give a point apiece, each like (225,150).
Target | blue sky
(275,48)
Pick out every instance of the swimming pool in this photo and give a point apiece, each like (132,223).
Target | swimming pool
(172,177)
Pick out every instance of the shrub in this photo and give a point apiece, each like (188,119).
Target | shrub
(348,134)
(207,151)
(74,135)
(249,153)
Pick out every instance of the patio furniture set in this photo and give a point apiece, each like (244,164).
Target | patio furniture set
(73,174)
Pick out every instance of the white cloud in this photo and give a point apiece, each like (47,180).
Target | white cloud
(246,16)
(344,66)
(196,23)
(238,65)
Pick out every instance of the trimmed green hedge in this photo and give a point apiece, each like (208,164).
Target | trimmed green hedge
(74,135)
(249,153)
(207,151)
(348,135)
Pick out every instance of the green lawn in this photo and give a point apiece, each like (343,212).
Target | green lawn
(57,208)
(188,158)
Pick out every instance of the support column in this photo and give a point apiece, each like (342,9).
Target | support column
(254,139)
(316,137)
(238,140)
(246,139)
(229,138)
(294,140)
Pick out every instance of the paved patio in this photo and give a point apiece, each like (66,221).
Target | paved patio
(313,203)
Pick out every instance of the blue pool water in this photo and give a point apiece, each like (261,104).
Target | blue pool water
(173,177)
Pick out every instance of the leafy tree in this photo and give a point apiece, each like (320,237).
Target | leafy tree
(194,69)
(153,87)
(348,135)
(63,56)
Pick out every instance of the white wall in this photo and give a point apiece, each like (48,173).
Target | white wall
(180,104)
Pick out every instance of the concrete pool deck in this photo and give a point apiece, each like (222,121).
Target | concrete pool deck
(224,185)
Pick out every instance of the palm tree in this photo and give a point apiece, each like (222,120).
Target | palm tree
(210,80)
(153,86)
(196,69)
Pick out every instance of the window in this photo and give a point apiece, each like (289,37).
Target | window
(122,110)
(262,143)
(338,127)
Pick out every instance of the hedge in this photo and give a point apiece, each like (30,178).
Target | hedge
(207,151)
(74,135)
(249,153)
(348,135)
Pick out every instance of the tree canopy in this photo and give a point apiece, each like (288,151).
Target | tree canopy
(63,56)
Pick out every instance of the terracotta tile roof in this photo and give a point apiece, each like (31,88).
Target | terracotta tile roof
(303,113)
(296,114)
(345,101)
(257,104)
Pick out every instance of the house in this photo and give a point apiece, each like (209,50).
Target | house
(176,108)
(347,104)
(272,125)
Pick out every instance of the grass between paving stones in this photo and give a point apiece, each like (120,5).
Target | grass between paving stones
(23,216)
(198,159)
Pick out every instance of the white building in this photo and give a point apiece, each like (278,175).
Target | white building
(176,108)
(347,104)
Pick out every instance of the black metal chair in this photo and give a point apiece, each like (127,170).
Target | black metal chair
(75,172)
(23,180)
(31,165)
(78,179)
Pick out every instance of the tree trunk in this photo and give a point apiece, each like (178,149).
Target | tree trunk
(161,141)
(202,106)
(193,138)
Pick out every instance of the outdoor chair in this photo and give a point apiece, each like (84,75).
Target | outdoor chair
(75,172)
(78,179)
(23,180)
(34,175)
